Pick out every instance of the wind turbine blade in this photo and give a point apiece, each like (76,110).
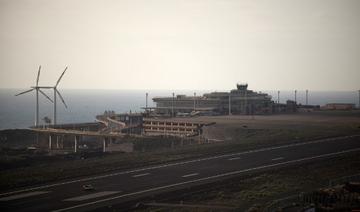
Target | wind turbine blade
(61,77)
(46,96)
(24,92)
(38,76)
(62,99)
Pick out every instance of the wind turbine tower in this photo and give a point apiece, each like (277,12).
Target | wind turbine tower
(37,88)
(56,92)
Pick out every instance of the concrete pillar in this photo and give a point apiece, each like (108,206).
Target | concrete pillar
(75,144)
(50,141)
(37,138)
(57,142)
(104,144)
(199,137)
(62,141)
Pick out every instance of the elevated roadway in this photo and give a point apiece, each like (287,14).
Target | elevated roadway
(76,132)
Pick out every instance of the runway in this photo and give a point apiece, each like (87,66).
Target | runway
(118,187)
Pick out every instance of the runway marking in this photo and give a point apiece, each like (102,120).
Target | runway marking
(190,175)
(140,175)
(207,178)
(279,158)
(91,196)
(236,158)
(179,163)
(20,196)
(198,206)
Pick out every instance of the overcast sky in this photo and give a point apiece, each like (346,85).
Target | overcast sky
(181,44)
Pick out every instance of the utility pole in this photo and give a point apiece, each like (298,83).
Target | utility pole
(172,105)
(278,101)
(229,104)
(194,101)
(246,103)
(307,97)
(146,103)
(295,97)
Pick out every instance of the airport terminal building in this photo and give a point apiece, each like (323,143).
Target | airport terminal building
(237,101)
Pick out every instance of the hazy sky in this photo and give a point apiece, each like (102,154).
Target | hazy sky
(181,44)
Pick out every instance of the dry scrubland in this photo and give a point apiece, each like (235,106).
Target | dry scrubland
(258,191)
(238,132)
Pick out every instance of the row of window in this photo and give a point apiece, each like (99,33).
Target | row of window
(188,104)
(168,129)
(169,124)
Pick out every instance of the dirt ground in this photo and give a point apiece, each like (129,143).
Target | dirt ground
(330,123)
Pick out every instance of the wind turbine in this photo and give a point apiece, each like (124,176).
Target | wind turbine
(56,92)
(37,88)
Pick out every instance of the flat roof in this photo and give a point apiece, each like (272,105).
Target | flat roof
(180,120)
(196,108)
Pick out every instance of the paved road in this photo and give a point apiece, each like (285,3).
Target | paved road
(119,187)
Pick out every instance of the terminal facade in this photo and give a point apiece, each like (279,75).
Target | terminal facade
(238,101)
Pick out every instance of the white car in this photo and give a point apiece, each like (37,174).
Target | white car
(88,187)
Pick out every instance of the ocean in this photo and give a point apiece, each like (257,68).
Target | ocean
(84,105)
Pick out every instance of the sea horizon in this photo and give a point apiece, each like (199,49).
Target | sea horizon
(84,104)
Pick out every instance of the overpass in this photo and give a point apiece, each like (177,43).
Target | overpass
(77,134)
